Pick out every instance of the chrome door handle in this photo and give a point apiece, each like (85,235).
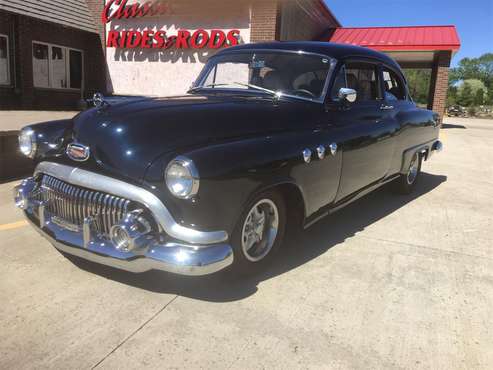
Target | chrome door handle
(387,107)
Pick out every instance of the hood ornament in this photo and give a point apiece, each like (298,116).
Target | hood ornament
(78,152)
(99,101)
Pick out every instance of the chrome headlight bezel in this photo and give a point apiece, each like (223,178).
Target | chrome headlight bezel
(27,142)
(188,179)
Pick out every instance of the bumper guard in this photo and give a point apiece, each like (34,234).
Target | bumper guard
(175,257)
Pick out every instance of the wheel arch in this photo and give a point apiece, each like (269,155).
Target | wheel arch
(293,196)
(423,149)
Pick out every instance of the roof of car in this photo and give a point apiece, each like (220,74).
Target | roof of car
(337,51)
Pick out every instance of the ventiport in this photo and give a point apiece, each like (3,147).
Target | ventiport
(115,230)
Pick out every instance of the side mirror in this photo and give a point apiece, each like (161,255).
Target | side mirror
(348,95)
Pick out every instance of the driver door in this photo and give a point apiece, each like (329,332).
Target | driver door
(367,130)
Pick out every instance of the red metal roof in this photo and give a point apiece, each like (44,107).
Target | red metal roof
(399,38)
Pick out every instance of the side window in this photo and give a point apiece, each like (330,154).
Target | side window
(339,83)
(394,87)
(4,61)
(361,77)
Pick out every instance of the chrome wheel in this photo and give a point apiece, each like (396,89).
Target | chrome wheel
(260,230)
(412,173)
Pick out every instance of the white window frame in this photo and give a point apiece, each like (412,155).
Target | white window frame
(9,79)
(67,66)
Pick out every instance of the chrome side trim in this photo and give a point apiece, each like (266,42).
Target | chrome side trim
(91,180)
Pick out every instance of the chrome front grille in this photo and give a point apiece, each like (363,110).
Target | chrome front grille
(73,204)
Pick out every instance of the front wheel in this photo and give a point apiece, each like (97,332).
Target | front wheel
(259,232)
(406,183)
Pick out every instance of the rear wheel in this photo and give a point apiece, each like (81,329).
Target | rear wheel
(406,183)
(259,232)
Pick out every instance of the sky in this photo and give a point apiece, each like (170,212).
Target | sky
(473,18)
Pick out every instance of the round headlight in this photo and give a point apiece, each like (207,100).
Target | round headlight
(182,178)
(27,142)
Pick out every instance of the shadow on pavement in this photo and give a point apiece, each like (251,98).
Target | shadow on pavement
(300,248)
(449,125)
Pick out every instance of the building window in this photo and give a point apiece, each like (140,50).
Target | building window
(75,69)
(57,67)
(4,60)
(41,75)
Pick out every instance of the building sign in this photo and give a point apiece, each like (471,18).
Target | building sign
(159,39)
(184,39)
(118,9)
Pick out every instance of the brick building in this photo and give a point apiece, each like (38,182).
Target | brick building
(53,53)
(50,54)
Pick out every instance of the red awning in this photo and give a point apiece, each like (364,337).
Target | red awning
(399,38)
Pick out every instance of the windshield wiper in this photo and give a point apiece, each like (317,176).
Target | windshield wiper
(272,92)
(276,95)
(195,88)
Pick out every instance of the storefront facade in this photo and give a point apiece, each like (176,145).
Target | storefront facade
(169,50)
(55,54)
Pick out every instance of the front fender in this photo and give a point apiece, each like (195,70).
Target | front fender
(50,136)
(232,172)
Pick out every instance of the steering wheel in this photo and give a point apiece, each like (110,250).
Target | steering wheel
(306,92)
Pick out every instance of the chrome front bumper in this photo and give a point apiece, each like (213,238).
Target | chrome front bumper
(184,258)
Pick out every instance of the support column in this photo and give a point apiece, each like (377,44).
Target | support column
(265,22)
(439,82)
(96,8)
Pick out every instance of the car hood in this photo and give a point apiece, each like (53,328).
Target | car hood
(127,137)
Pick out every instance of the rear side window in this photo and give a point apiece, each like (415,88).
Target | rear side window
(393,85)
(361,77)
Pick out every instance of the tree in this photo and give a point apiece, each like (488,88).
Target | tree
(473,70)
(419,84)
(468,91)
(474,84)
(479,97)
(452,95)
(465,97)
(489,95)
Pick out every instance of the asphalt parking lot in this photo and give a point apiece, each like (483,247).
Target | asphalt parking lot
(389,282)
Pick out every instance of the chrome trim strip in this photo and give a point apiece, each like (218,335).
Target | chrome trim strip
(91,180)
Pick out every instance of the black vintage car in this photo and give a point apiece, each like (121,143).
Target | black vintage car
(269,133)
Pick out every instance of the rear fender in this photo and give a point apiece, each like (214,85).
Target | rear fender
(423,149)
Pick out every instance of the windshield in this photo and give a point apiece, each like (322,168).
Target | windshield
(276,73)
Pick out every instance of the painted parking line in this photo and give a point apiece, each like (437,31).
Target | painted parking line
(443,136)
(13,226)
